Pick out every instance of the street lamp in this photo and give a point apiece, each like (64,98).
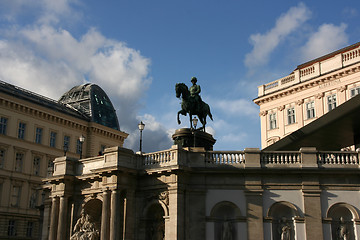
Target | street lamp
(81,140)
(141,126)
(195,121)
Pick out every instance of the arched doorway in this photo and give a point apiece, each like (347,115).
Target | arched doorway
(155,222)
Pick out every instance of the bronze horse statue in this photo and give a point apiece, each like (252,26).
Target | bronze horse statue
(189,105)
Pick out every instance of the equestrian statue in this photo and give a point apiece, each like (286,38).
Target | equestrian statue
(192,103)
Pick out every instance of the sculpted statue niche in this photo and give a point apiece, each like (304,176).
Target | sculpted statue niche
(284,229)
(85,228)
(192,103)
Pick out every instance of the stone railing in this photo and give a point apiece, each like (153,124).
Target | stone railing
(177,158)
(167,157)
(351,56)
(338,158)
(312,71)
(225,157)
(280,158)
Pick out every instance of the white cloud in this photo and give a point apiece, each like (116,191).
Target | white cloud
(264,44)
(49,60)
(328,38)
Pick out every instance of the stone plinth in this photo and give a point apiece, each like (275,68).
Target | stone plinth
(187,137)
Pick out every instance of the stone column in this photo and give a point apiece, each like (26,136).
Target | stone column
(54,218)
(114,218)
(313,219)
(61,232)
(105,216)
(46,220)
(254,214)
(128,206)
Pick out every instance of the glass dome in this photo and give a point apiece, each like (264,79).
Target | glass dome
(91,100)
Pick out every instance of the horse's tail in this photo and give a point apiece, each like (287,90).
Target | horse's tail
(210,115)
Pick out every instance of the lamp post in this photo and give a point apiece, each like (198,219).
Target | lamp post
(194,121)
(141,126)
(66,148)
(81,140)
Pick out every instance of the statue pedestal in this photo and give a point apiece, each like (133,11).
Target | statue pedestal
(187,137)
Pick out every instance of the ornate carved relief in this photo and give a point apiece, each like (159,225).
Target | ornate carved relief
(85,228)
(280,108)
(319,95)
(263,113)
(161,196)
(299,102)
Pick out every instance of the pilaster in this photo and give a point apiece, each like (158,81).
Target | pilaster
(254,213)
(174,228)
(313,219)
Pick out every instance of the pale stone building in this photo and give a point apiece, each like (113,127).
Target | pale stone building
(190,193)
(34,130)
(310,91)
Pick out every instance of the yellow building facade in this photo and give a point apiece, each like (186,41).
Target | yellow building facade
(34,130)
(310,91)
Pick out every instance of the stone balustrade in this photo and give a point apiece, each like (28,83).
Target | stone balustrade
(316,69)
(115,158)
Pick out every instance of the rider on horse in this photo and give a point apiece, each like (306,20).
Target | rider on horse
(194,93)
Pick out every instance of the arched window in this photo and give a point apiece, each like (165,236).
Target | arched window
(226,215)
(283,216)
(342,217)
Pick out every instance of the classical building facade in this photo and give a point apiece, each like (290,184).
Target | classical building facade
(190,193)
(310,91)
(34,130)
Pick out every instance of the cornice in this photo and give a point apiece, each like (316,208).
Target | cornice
(37,113)
(307,85)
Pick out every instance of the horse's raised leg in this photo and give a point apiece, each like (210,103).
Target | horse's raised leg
(178,117)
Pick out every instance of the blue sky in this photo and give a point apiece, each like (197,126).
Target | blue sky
(138,50)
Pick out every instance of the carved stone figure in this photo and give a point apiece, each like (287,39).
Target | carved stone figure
(226,231)
(192,103)
(85,229)
(342,231)
(284,229)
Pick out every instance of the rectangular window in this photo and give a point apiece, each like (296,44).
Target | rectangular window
(29,229)
(272,120)
(310,110)
(19,162)
(354,92)
(36,166)
(52,139)
(33,198)
(38,135)
(291,115)
(66,143)
(3,125)
(15,197)
(21,132)
(2,158)
(11,228)
(331,102)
